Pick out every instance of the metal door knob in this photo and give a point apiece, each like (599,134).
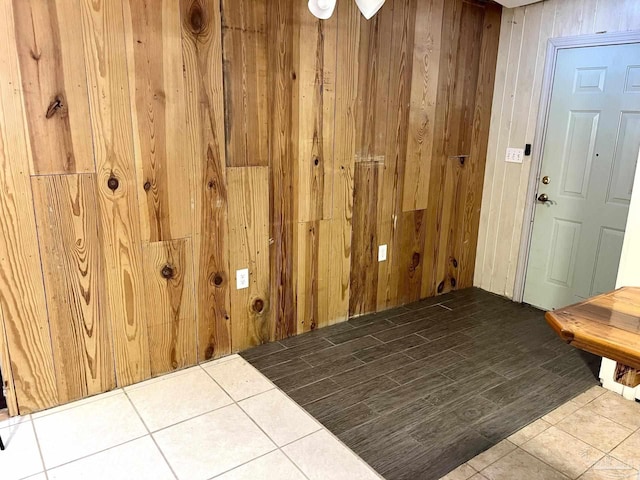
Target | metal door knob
(543,197)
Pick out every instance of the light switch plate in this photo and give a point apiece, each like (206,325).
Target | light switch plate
(242,278)
(382,253)
(514,155)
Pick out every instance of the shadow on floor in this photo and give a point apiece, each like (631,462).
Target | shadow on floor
(420,389)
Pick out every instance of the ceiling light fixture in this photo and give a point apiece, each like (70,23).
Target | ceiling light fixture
(323,9)
(369,7)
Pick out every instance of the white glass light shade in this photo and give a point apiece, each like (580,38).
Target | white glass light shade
(369,7)
(322,9)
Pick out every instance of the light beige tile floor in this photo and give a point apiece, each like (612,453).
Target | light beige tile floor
(223,420)
(595,436)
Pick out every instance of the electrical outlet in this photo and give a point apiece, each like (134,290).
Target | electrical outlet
(514,155)
(382,253)
(242,278)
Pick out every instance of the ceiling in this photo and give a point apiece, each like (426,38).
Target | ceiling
(515,3)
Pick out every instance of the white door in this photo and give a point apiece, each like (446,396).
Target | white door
(588,165)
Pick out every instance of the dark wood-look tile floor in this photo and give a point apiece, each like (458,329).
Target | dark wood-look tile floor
(420,389)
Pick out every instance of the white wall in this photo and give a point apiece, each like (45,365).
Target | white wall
(523,41)
(628,276)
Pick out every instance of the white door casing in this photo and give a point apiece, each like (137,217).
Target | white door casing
(589,155)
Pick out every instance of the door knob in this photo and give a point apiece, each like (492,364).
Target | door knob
(543,197)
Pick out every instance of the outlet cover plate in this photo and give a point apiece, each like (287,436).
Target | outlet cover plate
(514,155)
(242,278)
(382,253)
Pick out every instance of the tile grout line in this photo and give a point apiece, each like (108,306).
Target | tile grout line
(151,436)
(35,433)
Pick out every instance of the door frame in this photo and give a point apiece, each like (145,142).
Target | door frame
(554,45)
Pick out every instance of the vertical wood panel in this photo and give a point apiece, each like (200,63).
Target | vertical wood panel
(424,87)
(54,85)
(22,299)
(245,45)
(397,124)
(66,216)
(373,84)
(105,57)
(202,54)
(154,51)
(168,275)
(343,169)
(412,231)
(316,78)
(312,268)
(283,146)
(6,371)
(478,152)
(252,318)
(364,243)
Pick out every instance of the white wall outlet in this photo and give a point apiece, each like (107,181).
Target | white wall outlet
(514,155)
(242,278)
(382,253)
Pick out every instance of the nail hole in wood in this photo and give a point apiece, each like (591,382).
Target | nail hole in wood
(113,183)
(167,271)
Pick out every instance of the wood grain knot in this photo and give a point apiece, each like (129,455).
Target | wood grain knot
(113,183)
(217,279)
(147,186)
(441,287)
(293,75)
(316,161)
(54,106)
(208,353)
(211,184)
(258,305)
(196,18)
(453,282)
(455,263)
(167,271)
(415,260)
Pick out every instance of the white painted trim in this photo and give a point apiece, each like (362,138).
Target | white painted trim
(553,46)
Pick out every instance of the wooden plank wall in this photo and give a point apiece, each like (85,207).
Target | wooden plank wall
(151,149)
(514,115)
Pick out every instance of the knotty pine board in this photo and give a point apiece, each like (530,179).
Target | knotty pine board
(22,298)
(54,85)
(252,319)
(344,159)
(72,265)
(202,51)
(424,85)
(316,75)
(283,137)
(6,371)
(168,274)
(374,56)
(397,123)
(245,46)
(313,260)
(110,99)
(364,243)
(156,86)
